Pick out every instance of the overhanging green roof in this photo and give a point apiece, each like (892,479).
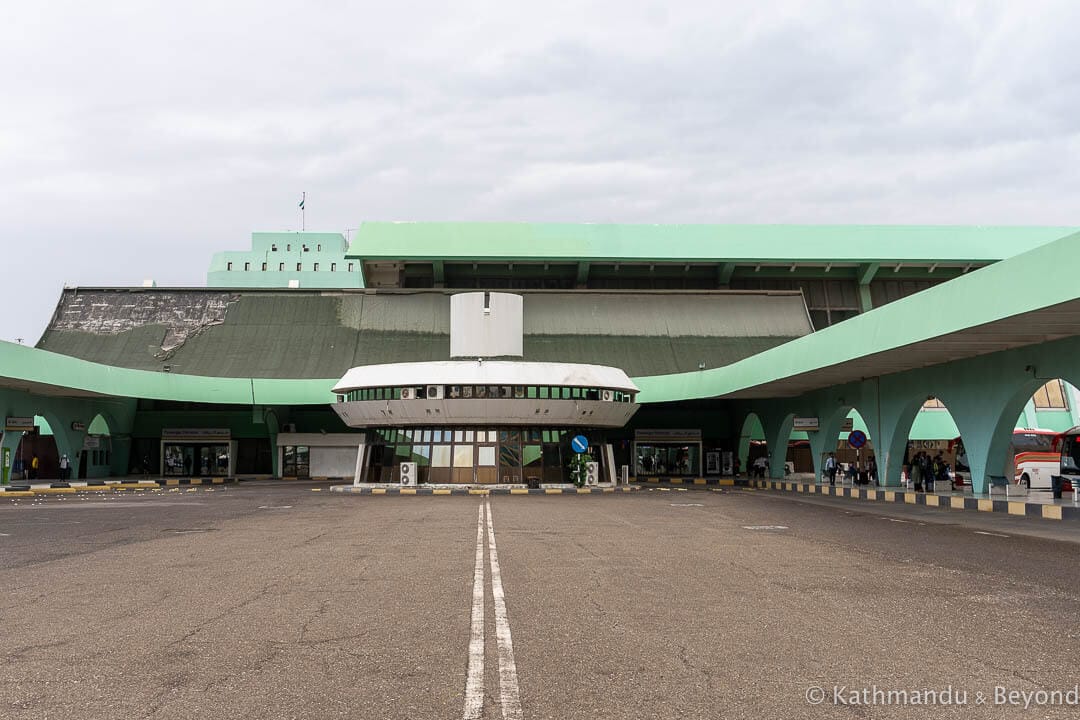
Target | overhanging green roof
(986,310)
(694,243)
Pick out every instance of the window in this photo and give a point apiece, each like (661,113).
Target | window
(281,267)
(264,267)
(305,248)
(228,266)
(933,404)
(273,248)
(298,266)
(315,267)
(333,267)
(319,247)
(1051,396)
(288,247)
(350,267)
(247,266)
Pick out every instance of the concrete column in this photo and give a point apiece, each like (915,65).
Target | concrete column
(777,434)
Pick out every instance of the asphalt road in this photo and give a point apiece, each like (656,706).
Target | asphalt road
(280,602)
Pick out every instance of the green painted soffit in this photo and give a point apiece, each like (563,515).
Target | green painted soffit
(694,243)
(983,296)
(31,365)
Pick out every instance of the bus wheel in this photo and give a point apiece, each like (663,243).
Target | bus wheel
(1025,480)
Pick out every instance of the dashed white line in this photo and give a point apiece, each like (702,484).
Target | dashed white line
(509,695)
(980,532)
(474,682)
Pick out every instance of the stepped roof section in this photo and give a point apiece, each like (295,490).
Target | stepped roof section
(278,259)
(468,254)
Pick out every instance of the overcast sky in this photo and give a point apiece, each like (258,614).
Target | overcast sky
(137,138)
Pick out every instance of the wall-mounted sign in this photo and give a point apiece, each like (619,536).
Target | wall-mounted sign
(78,426)
(196,435)
(91,442)
(18,423)
(664,435)
(848,425)
(712,462)
(806,424)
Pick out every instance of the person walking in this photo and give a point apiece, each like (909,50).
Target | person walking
(928,469)
(830,468)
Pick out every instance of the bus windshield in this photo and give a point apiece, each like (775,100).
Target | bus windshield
(1032,442)
(1070,454)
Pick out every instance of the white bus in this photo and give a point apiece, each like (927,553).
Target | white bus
(1036,457)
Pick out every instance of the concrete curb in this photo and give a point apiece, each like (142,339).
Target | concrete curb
(721,481)
(1017,508)
(421,490)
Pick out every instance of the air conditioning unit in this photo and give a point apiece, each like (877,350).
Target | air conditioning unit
(592,473)
(434,392)
(607,395)
(408,393)
(408,473)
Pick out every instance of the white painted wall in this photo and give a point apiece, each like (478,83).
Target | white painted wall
(494,331)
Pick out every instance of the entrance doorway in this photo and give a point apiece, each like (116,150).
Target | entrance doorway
(196,459)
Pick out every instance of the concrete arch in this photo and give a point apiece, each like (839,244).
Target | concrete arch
(751,429)
(998,459)
(906,422)
(891,465)
(777,439)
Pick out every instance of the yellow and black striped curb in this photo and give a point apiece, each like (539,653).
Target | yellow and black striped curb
(720,481)
(946,502)
(81,489)
(173,482)
(421,490)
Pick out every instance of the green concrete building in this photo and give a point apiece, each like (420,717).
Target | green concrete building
(730,333)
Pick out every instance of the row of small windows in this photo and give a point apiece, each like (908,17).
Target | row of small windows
(518,392)
(288,247)
(299,267)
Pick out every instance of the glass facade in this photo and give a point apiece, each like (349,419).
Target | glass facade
(483,392)
(509,455)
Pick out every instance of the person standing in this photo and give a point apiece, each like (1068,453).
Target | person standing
(65,467)
(34,464)
(830,468)
(916,472)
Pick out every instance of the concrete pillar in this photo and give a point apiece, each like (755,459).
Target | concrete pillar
(777,435)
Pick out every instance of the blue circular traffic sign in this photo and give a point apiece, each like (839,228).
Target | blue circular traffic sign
(856,439)
(579,444)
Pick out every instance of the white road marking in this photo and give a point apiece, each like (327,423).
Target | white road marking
(687,505)
(474,682)
(275,507)
(5,534)
(765,527)
(509,694)
(980,532)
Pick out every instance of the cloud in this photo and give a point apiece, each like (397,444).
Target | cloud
(139,138)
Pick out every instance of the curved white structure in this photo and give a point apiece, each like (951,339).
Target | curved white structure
(486,392)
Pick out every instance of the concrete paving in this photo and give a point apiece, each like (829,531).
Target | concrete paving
(275,601)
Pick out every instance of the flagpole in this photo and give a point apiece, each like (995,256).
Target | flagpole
(303,212)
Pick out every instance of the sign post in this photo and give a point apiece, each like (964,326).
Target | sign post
(5,470)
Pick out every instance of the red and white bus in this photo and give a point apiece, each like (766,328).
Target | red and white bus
(1036,455)
(1069,458)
